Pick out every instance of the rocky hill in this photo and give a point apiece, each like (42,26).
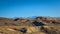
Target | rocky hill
(35,25)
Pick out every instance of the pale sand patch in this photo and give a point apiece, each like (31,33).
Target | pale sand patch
(10,29)
(32,29)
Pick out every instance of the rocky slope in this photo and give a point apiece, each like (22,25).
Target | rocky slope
(38,25)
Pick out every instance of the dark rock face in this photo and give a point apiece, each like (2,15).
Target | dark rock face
(38,23)
(39,17)
(23,30)
(16,19)
(42,28)
(54,22)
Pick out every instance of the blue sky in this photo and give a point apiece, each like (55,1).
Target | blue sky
(26,8)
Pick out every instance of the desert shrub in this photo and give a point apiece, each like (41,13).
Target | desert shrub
(23,30)
(52,30)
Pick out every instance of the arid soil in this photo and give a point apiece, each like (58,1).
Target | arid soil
(38,25)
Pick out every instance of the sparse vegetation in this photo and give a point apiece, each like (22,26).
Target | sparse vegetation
(38,25)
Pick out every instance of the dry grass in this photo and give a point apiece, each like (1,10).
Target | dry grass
(9,26)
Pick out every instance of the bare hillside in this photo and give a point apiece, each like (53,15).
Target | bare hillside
(38,25)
